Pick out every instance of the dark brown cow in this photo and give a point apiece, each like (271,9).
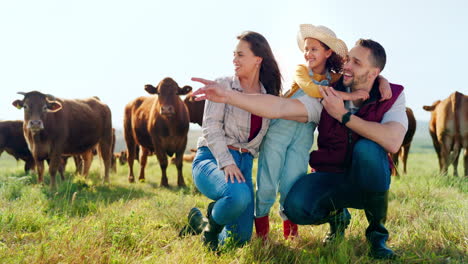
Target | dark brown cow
(12,141)
(449,130)
(195,108)
(158,124)
(405,146)
(54,127)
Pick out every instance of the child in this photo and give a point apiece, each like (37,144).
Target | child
(284,150)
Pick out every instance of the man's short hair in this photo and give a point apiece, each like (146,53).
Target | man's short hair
(378,57)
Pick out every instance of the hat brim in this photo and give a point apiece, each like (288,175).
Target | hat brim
(310,31)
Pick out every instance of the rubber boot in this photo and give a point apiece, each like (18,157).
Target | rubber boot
(375,207)
(339,221)
(262,227)
(196,223)
(290,229)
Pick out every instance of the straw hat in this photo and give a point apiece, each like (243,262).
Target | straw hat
(323,34)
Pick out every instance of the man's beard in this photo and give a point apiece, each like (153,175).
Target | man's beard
(357,81)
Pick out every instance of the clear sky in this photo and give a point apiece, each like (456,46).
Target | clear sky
(112,48)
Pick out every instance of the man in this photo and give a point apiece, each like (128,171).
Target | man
(351,163)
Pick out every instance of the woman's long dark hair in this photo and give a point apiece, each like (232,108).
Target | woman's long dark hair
(270,75)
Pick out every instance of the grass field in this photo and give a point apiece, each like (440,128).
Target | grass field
(84,221)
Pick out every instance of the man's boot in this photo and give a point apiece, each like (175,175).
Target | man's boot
(290,229)
(196,223)
(375,207)
(339,221)
(262,227)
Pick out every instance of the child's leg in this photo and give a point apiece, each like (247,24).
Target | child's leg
(297,158)
(270,164)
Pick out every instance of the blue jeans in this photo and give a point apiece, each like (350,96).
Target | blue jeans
(315,195)
(283,159)
(234,201)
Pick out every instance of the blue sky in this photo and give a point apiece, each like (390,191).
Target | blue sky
(111,49)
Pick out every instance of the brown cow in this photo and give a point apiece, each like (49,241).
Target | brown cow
(405,146)
(449,130)
(12,141)
(158,124)
(195,108)
(54,127)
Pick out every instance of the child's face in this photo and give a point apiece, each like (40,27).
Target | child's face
(316,55)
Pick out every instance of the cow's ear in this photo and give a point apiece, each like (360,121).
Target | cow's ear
(151,89)
(184,90)
(431,107)
(53,106)
(18,104)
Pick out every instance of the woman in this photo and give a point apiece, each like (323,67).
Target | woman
(231,137)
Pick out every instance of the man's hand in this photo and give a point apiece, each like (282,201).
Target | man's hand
(231,172)
(212,91)
(332,102)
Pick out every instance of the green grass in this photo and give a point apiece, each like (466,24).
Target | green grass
(84,221)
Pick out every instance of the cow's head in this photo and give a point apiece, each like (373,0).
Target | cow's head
(168,92)
(36,106)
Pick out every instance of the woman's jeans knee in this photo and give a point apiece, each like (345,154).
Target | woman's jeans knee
(234,201)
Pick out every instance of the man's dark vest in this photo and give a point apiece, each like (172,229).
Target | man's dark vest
(336,141)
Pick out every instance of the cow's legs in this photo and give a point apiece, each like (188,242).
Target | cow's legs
(454,158)
(29,165)
(78,164)
(105,151)
(40,170)
(113,164)
(445,155)
(405,153)
(130,159)
(162,158)
(465,162)
(143,160)
(87,159)
(395,157)
(62,166)
(54,166)
(179,164)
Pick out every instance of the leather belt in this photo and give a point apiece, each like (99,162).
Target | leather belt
(240,150)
